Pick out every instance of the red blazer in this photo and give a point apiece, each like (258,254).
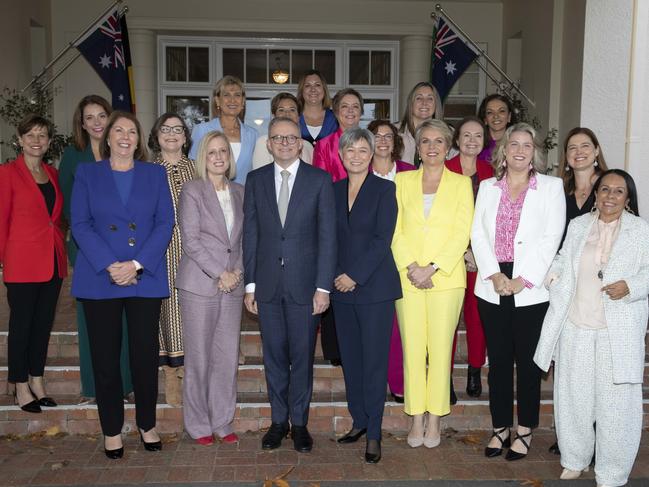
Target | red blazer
(483,168)
(29,237)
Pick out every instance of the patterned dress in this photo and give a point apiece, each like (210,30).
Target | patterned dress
(171,330)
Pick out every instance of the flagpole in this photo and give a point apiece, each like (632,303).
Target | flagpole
(70,46)
(439,8)
(76,56)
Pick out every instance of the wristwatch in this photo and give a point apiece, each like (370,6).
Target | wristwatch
(435,266)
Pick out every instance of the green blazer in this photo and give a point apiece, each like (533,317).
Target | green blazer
(71,158)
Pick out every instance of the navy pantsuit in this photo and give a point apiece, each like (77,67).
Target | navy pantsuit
(364,316)
(287,264)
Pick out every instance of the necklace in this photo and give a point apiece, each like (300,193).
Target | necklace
(604,247)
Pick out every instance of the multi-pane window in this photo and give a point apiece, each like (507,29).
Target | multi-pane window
(190,66)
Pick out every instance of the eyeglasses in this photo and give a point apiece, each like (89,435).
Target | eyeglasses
(386,137)
(280,139)
(176,129)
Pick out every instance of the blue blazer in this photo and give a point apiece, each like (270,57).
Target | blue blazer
(248,140)
(364,240)
(306,245)
(108,231)
(329,126)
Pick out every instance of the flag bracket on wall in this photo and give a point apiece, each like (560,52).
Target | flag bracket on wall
(453,51)
(105,45)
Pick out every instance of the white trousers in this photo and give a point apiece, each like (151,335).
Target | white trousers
(585,396)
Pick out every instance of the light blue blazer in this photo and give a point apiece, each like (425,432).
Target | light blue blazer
(248,139)
(108,231)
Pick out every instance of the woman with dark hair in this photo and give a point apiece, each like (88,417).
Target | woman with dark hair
(423,103)
(316,118)
(386,163)
(122,219)
(469,139)
(366,286)
(32,259)
(581,165)
(229,109)
(517,226)
(283,105)
(496,111)
(170,141)
(595,332)
(348,108)
(88,126)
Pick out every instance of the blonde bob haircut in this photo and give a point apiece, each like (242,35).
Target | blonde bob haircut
(201,155)
(499,158)
(438,125)
(228,80)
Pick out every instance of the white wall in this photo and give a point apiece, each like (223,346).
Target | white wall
(16,54)
(637,154)
(605,86)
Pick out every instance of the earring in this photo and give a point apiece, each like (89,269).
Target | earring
(567,168)
(595,164)
(628,208)
(594,208)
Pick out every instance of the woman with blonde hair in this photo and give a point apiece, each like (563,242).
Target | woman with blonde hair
(423,103)
(435,207)
(210,287)
(229,109)
(517,226)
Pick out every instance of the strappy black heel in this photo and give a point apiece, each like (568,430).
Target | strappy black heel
(514,455)
(490,452)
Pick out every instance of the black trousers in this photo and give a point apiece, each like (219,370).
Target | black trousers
(512,334)
(328,336)
(364,338)
(104,321)
(32,306)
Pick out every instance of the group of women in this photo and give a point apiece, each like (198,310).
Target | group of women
(470,222)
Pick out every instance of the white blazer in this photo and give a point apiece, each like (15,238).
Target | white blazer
(626,318)
(536,242)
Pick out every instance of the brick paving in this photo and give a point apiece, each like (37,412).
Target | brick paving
(78,459)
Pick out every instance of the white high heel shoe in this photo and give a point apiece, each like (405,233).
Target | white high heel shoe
(568,474)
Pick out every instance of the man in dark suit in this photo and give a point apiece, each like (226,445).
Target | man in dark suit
(289,253)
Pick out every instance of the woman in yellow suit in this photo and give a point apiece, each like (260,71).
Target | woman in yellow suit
(431,236)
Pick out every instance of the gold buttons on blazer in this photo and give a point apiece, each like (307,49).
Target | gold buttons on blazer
(113,228)
(131,226)
(131,242)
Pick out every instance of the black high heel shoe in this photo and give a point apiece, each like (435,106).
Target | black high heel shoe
(491,452)
(373,451)
(114,454)
(151,445)
(44,401)
(30,407)
(514,455)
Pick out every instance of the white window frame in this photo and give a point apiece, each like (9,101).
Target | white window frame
(258,90)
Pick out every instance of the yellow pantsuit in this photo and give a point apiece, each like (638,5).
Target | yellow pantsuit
(427,318)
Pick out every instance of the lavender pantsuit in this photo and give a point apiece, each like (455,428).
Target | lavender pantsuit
(211,318)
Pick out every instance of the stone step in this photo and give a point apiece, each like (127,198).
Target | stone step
(64,345)
(65,380)
(326,416)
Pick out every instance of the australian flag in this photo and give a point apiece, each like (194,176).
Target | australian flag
(451,56)
(107,50)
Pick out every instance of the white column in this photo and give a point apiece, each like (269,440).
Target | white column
(605,85)
(415,66)
(638,106)
(143,53)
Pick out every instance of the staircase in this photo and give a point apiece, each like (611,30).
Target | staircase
(328,407)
